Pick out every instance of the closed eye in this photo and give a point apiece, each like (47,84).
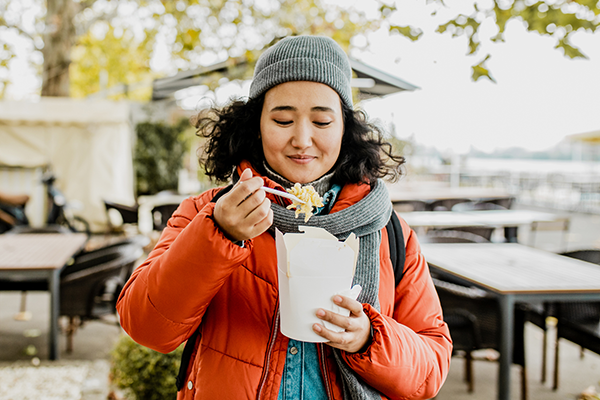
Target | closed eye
(322,124)
(282,122)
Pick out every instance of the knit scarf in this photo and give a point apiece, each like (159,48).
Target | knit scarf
(365,219)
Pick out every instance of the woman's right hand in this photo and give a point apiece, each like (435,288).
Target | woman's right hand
(245,212)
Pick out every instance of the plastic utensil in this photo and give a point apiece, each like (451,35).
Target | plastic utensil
(283,194)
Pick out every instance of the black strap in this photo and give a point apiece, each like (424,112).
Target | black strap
(397,255)
(397,249)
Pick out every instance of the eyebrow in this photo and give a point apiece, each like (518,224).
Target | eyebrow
(292,108)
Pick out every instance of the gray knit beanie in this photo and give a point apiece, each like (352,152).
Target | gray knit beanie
(304,58)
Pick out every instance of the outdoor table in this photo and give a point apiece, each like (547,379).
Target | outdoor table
(514,273)
(35,256)
(500,218)
(496,218)
(400,193)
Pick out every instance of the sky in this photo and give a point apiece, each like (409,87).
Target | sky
(539,97)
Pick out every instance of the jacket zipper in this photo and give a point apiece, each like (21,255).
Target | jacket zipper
(325,372)
(269,351)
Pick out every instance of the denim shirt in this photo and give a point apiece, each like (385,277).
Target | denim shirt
(302,378)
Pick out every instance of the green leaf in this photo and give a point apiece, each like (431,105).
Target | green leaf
(570,51)
(481,71)
(407,31)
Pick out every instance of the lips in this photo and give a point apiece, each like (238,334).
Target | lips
(301,158)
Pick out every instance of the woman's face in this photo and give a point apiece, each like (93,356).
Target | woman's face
(301,127)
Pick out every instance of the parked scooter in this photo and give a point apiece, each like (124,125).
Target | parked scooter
(12,211)
(60,216)
(60,211)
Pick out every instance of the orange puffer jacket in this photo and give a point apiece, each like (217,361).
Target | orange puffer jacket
(195,276)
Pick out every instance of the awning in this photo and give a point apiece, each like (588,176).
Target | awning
(370,81)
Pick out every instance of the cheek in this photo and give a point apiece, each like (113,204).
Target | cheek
(271,142)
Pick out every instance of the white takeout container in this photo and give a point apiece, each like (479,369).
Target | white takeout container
(313,267)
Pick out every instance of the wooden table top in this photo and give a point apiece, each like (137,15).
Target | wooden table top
(514,268)
(38,251)
(476,218)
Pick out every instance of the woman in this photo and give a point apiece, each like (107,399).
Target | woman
(215,266)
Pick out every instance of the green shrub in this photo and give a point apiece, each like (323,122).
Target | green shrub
(159,154)
(144,373)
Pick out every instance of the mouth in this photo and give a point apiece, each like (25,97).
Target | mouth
(301,158)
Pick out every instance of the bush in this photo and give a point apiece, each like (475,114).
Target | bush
(159,154)
(144,373)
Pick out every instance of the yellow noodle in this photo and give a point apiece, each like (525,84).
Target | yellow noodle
(308,195)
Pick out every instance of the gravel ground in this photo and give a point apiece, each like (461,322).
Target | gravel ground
(62,380)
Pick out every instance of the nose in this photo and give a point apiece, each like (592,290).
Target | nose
(302,136)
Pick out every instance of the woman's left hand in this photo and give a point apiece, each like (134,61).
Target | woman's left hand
(357,326)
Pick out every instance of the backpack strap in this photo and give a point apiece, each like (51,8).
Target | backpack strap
(188,349)
(397,249)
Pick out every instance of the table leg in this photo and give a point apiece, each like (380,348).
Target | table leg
(511,233)
(54,286)
(507,306)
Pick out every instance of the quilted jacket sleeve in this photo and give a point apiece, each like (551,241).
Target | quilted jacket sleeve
(409,356)
(192,256)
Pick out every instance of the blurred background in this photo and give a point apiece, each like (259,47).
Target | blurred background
(489,101)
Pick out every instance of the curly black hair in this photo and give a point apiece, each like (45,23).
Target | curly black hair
(233,134)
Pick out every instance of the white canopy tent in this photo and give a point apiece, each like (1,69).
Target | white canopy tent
(87,144)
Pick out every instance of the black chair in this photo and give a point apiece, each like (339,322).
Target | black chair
(477,206)
(90,285)
(127,215)
(411,205)
(161,214)
(485,232)
(445,204)
(452,236)
(577,322)
(473,317)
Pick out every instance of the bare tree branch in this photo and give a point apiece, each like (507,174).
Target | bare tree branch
(84,27)
(20,30)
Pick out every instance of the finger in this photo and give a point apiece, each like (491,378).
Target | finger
(335,339)
(334,318)
(262,225)
(246,174)
(243,190)
(259,213)
(348,303)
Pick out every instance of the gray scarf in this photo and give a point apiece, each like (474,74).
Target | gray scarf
(366,219)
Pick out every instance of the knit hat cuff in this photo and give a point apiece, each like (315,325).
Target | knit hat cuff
(303,69)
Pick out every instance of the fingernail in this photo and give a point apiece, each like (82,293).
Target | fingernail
(320,313)
(337,299)
(317,327)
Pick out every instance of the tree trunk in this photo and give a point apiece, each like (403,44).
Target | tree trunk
(58,40)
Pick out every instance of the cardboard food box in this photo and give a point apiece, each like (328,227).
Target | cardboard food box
(313,266)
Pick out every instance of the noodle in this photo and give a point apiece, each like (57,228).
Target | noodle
(309,196)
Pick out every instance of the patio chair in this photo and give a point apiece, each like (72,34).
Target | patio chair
(452,236)
(445,204)
(477,206)
(90,285)
(577,322)
(473,317)
(410,205)
(161,214)
(485,232)
(128,214)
